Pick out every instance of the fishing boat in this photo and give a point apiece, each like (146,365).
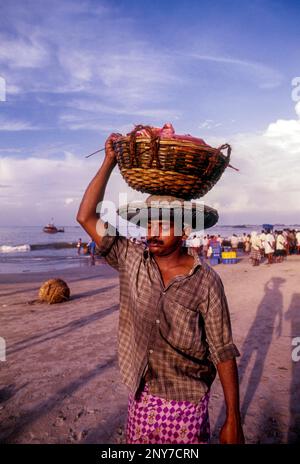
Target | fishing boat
(52,229)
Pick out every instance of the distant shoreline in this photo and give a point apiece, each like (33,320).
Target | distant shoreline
(217,225)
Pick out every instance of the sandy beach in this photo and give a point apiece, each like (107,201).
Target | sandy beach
(60,382)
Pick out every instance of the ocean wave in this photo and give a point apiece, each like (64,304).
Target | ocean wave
(14,249)
(53,245)
(36,246)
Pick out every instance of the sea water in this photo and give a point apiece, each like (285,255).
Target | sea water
(29,249)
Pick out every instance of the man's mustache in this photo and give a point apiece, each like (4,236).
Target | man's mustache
(154,241)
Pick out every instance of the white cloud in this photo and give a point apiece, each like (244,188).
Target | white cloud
(15,125)
(265,75)
(101,56)
(78,64)
(122,72)
(107,57)
(285,134)
(76,122)
(57,184)
(209,124)
(268,181)
(12,89)
(93,106)
(21,53)
(10,150)
(122,76)
(266,188)
(88,115)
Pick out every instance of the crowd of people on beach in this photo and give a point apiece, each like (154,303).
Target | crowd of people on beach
(274,246)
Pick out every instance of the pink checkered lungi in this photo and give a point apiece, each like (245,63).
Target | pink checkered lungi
(152,419)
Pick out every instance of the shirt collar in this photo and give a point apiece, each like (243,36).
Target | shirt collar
(197,261)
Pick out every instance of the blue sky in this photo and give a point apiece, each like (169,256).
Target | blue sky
(77,70)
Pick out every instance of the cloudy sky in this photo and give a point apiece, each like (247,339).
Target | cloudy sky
(71,72)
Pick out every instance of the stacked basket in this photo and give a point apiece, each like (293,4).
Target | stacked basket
(182,167)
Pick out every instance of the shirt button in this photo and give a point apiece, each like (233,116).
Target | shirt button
(157,321)
(150,351)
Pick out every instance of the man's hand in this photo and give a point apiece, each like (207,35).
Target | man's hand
(109,148)
(232,432)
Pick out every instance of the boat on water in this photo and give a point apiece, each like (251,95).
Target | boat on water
(52,229)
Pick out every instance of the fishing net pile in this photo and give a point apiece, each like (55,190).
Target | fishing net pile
(54,291)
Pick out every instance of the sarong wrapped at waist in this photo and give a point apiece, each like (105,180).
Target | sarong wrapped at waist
(255,254)
(152,419)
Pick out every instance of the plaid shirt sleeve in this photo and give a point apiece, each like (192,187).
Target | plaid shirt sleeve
(114,247)
(217,323)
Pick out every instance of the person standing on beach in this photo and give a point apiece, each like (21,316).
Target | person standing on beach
(205,243)
(280,247)
(244,240)
(298,241)
(286,236)
(92,250)
(256,246)
(248,243)
(220,240)
(262,237)
(269,246)
(174,325)
(79,245)
(292,240)
(234,242)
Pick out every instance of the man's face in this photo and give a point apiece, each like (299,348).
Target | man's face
(161,237)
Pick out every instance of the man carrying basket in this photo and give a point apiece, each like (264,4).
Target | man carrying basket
(174,323)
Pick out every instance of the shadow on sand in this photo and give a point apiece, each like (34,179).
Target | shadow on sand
(293,315)
(268,319)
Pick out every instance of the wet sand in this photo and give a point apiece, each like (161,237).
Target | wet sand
(60,381)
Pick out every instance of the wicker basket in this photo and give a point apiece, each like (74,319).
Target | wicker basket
(169,166)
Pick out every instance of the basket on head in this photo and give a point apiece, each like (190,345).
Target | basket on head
(54,291)
(169,166)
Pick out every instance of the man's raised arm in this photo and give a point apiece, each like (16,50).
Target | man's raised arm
(87,216)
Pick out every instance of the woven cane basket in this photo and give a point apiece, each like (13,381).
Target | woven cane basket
(169,166)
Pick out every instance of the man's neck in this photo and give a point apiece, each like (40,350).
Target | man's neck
(172,259)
